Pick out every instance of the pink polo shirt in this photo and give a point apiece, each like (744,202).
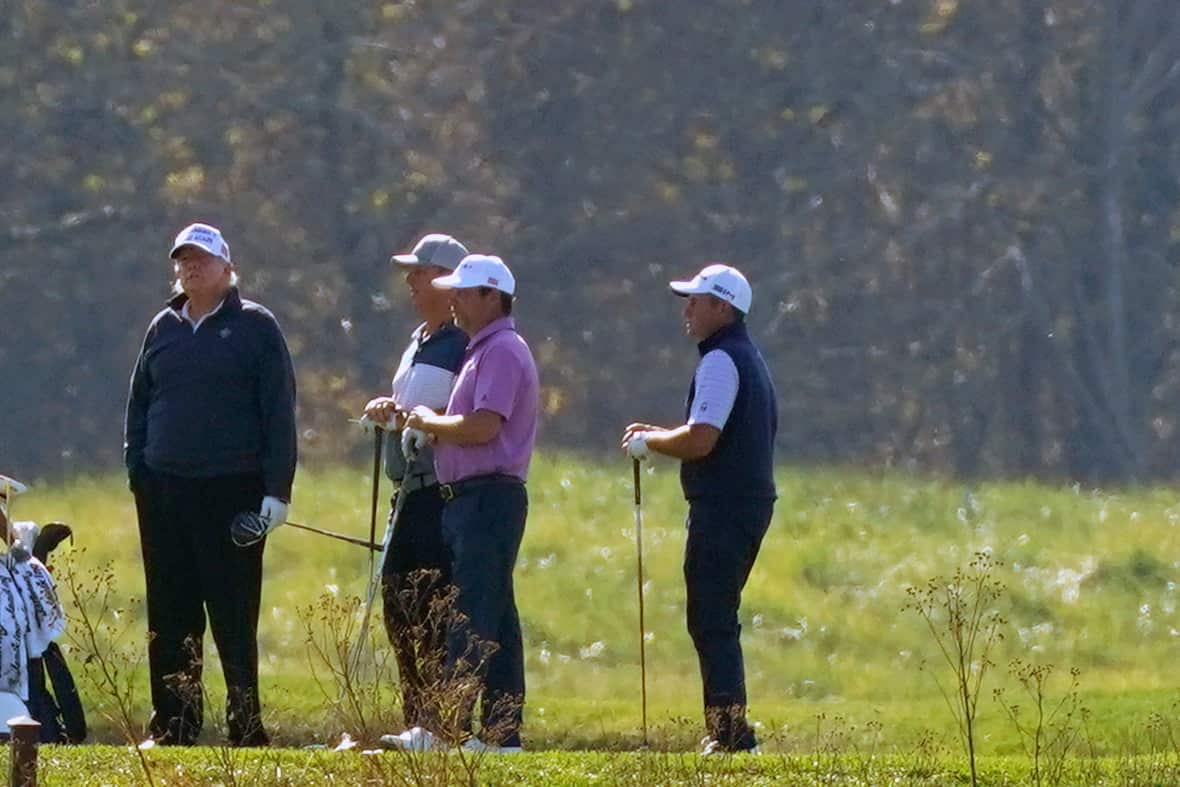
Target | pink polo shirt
(498,374)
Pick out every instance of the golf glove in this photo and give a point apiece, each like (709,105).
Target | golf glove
(24,534)
(368,425)
(249,528)
(413,441)
(637,447)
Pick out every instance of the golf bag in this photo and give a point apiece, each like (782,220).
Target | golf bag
(53,694)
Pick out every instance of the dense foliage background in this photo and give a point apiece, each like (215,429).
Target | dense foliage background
(961,217)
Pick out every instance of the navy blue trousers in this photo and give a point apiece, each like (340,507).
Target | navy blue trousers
(414,577)
(724,536)
(191,566)
(483,529)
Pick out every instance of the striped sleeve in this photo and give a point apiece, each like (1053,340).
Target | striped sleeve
(715,389)
(428,385)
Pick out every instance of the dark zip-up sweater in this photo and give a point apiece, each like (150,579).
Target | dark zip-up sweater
(741,464)
(217,401)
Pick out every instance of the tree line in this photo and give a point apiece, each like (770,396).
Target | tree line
(960,218)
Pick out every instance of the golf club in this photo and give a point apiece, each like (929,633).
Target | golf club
(639,578)
(375,577)
(378,441)
(339,536)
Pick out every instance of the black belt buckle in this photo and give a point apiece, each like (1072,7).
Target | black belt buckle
(447,491)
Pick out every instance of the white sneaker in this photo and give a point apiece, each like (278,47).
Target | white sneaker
(712,747)
(413,739)
(476,746)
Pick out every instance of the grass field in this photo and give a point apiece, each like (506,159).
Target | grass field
(834,663)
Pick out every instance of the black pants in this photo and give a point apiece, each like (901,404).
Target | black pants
(723,540)
(191,566)
(483,529)
(414,578)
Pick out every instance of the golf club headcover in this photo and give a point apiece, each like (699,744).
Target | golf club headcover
(248,527)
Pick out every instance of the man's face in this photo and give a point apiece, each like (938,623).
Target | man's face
(427,300)
(703,315)
(200,273)
(473,311)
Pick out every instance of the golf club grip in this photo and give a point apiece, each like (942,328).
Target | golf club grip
(635,479)
(378,440)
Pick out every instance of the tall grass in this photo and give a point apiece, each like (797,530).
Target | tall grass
(1091,583)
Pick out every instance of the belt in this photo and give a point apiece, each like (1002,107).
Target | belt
(417,481)
(456,488)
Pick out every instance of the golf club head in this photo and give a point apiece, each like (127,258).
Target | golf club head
(51,535)
(247,528)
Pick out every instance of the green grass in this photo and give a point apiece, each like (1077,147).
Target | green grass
(110,765)
(1091,583)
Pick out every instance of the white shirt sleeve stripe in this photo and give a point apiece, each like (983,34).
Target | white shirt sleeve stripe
(716,387)
(428,385)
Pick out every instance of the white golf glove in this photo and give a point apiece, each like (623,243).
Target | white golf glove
(637,447)
(413,441)
(368,425)
(248,528)
(24,535)
(273,512)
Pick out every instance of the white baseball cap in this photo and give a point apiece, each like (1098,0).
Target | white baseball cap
(203,236)
(434,249)
(10,486)
(479,270)
(722,281)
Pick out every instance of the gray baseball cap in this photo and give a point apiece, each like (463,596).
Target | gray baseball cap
(434,249)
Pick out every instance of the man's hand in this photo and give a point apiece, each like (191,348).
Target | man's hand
(634,442)
(383,410)
(419,418)
(249,528)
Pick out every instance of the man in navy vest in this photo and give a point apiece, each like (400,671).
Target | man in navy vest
(726,448)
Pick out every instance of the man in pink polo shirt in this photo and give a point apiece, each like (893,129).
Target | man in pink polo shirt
(483,446)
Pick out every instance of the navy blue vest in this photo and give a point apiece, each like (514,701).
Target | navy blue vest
(742,462)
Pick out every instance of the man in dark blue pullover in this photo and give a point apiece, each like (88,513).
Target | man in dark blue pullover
(726,448)
(210,432)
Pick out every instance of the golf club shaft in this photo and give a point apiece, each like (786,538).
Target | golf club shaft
(339,536)
(378,439)
(375,577)
(642,629)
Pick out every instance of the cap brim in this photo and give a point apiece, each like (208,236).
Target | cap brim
(12,486)
(452,282)
(202,247)
(684,288)
(405,259)
(179,246)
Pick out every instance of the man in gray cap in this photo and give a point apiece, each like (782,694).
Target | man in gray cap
(417,566)
(726,448)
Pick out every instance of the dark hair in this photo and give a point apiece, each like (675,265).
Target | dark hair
(505,299)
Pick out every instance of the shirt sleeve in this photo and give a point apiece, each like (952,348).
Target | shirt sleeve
(716,387)
(276,388)
(135,422)
(497,381)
